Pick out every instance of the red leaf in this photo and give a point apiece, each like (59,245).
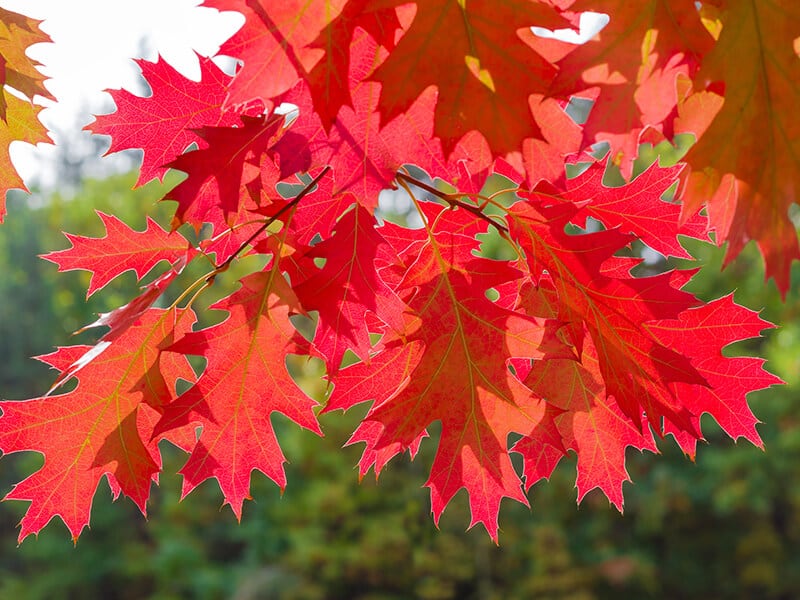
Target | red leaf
(480,57)
(275,43)
(120,249)
(347,287)
(574,354)
(746,165)
(636,368)
(97,429)
(328,80)
(634,61)
(245,381)
(636,207)
(316,215)
(451,366)
(701,333)
(364,154)
(163,124)
(218,173)
(544,159)
(591,424)
(373,458)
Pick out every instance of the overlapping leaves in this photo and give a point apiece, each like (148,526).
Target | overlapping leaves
(561,348)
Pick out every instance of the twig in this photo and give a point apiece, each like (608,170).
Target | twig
(289,206)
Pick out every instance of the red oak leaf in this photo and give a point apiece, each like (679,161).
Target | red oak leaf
(120,249)
(219,173)
(701,333)
(544,159)
(363,382)
(560,346)
(118,322)
(163,124)
(453,369)
(97,429)
(591,424)
(636,368)
(244,382)
(746,165)
(480,57)
(329,78)
(122,317)
(633,61)
(347,287)
(316,215)
(364,154)
(275,43)
(373,458)
(636,207)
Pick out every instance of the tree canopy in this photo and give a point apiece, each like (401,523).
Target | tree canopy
(554,345)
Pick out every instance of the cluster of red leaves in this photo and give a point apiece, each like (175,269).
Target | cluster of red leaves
(561,347)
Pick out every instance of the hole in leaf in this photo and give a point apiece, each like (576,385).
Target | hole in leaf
(591,23)
(305,325)
(578,109)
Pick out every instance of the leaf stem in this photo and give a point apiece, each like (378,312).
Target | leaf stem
(453,201)
(290,205)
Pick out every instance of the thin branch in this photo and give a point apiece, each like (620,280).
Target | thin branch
(289,206)
(453,200)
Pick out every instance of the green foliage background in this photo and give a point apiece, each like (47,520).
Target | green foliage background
(727,526)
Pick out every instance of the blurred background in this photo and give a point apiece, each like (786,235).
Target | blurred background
(725,526)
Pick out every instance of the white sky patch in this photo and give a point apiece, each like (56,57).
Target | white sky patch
(591,24)
(93,43)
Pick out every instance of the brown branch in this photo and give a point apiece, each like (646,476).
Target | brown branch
(289,206)
(453,200)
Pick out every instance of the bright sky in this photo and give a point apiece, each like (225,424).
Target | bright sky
(94,41)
